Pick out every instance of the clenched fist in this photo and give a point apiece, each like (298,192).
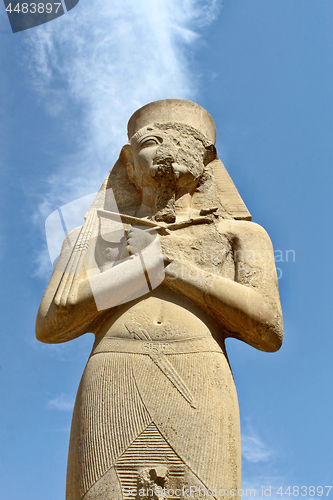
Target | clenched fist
(138,239)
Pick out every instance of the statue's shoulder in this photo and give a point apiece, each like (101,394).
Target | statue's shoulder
(242,229)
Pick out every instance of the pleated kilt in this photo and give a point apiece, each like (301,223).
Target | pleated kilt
(148,404)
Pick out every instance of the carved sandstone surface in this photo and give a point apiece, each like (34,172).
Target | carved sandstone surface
(167,265)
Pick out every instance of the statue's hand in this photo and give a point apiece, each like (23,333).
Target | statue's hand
(138,239)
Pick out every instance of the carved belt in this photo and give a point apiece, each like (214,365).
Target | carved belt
(133,346)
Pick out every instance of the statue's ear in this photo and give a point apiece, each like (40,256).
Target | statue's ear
(127,196)
(127,157)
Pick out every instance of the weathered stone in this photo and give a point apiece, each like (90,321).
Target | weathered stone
(157,406)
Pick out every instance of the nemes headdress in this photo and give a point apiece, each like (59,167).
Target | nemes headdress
(177,111)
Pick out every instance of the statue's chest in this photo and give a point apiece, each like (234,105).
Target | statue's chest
(205,247)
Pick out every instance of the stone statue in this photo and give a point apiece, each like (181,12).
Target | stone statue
(166,266)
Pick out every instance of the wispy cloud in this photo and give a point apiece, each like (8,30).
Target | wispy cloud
(254,450)
(61,403)
(102,62)
(260,475)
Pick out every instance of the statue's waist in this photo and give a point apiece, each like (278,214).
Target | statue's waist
(150,347)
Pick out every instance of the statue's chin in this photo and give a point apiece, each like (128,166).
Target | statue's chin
(187,181)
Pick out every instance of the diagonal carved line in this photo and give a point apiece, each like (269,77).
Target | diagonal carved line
(169,371)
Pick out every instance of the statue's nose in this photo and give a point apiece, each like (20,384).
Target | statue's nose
(179,169)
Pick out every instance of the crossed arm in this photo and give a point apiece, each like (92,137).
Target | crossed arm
(247,308)
(65,316)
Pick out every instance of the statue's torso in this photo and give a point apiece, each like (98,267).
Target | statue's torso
(162,316)
(165,315)
(159,389)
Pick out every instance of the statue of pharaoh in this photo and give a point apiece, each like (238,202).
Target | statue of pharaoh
(166,266)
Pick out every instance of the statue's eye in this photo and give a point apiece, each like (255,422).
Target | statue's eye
(151,141)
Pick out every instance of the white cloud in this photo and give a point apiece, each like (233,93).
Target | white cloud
(254,450)
(93,67)
(109,58)
(61,403)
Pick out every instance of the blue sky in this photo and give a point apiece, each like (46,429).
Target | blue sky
(263,69)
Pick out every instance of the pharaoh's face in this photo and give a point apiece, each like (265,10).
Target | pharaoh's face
(172,157)
(144,154)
